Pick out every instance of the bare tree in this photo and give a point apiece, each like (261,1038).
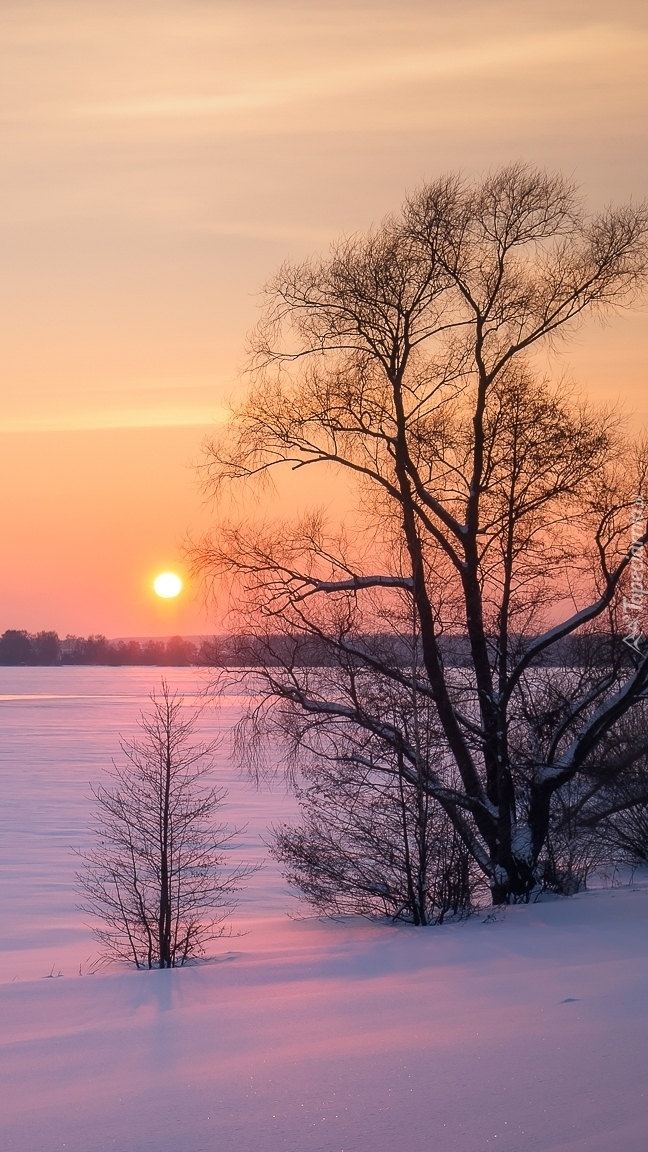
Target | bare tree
(495,508)
(605,821)
(156,879)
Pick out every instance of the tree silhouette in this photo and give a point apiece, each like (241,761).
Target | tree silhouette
(493,508)
(156,879)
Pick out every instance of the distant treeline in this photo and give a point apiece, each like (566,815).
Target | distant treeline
(41,648)
(46,648)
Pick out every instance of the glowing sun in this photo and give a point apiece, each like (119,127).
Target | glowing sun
(167,585)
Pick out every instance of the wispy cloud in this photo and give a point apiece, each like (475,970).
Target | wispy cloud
(115,418)
(122,404)
(571,46)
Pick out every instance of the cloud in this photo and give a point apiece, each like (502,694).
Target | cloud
(121,404)
(113,418)
(583,45)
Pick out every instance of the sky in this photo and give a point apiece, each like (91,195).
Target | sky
(160,159)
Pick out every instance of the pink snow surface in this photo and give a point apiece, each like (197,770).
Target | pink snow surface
(528,1033)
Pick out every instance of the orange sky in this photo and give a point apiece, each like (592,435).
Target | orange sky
(159,159)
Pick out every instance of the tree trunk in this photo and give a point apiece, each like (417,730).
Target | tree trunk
(165,895)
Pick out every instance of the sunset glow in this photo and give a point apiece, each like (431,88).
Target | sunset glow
(324,594)
(167,585)
(149,192)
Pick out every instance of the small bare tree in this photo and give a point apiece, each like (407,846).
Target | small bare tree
(155,879)
(373,843)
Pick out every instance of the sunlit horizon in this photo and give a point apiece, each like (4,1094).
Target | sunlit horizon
(160,163)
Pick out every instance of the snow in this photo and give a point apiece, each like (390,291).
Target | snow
(526,1031)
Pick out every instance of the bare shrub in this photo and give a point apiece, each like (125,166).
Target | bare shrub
(156,878)
(375,847)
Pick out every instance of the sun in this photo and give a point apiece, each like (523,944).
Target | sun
(167,585)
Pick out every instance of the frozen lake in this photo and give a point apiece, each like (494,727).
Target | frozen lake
(60,727)
(527,1032)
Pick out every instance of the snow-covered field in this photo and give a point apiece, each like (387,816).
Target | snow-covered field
(526,1033)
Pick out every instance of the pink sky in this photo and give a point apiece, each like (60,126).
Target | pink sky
(160,159)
